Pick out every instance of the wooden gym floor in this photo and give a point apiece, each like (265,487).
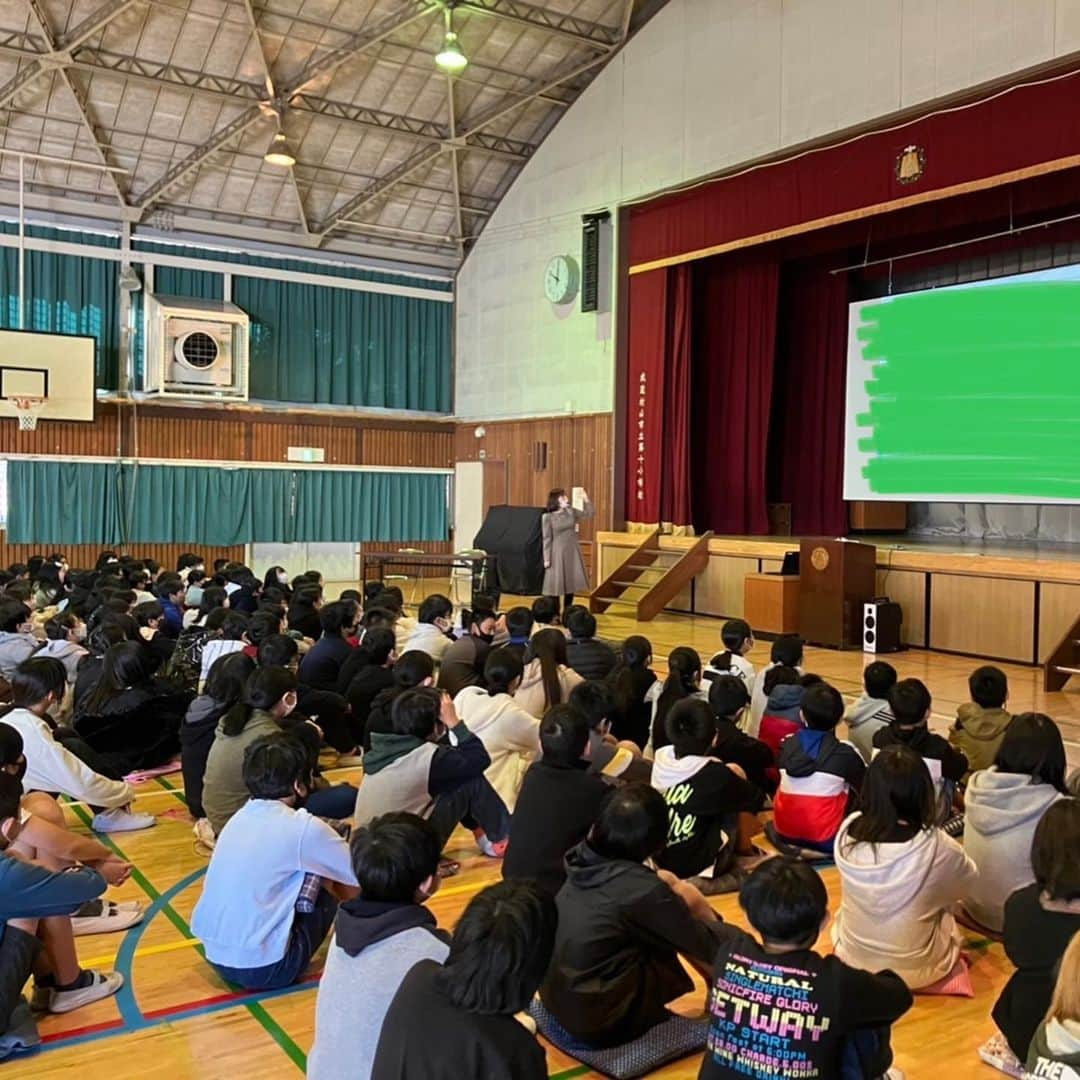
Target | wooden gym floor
(176,1018)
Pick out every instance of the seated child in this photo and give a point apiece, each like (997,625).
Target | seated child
(45,839)
(591,657)
(871,712)
(545,613)
(786,651)
(1055,1049)
(981,723)
(729,699)
(1040,921)
(414,770)
(783,701)
(248,919)
(410,670)
(467,1007)
(901,876)
(616,762)
(510,735)
(842,1026)
(631,682)
(910,703)
(434,623)
(35,925)
(559,802)
(622,927)
(712,808)
(65,765)
(378,937)
(1003,807)
(820,776)
(518,623)
(683,681)
(738,640)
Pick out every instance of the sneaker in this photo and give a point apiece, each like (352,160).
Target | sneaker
(997,1053)
(102,985)
(109,918)
(40,998)
(491,850)
(895,1074)
(120,819)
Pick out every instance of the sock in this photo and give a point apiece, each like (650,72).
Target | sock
(85,979)
(45,982)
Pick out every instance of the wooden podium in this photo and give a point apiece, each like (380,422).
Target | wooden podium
(836,577)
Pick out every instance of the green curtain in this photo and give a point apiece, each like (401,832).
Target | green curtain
(62,501)
(196,284)
(66,294)
(365,506)
(314,344)
(88,503)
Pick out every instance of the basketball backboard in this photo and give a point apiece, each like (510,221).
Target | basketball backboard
(57,367)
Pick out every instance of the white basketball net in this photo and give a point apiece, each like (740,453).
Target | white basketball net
(27,409)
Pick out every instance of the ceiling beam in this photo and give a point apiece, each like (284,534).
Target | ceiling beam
(581,31)
(627,19)
(422,158)
(363,39)
(251,116)
(56,59)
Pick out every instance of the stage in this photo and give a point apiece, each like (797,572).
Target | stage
(998,600)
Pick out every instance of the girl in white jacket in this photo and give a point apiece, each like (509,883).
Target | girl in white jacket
(901,876)
(510,735)
(1003,805)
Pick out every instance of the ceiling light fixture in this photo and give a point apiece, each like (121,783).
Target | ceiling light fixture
(279,152)
(450,58)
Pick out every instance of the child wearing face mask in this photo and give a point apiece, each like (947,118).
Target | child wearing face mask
(249,919)
(17,641)
(434,624)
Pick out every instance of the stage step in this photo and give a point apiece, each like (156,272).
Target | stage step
(1067,670)
(632,584)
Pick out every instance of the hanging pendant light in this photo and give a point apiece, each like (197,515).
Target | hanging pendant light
(450,59)
(279,152)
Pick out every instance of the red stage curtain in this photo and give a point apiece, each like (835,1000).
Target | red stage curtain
(735,298)
(675,484)
(809,389)
(1018,130)
(645,395)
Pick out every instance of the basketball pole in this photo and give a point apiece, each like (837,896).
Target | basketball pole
(22,245)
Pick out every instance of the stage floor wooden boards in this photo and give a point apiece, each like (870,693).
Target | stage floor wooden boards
(1004,601)
(176,1019)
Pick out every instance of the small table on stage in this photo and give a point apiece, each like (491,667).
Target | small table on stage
(482,568)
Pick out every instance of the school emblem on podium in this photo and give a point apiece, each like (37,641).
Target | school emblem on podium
(910,164)
(819,559)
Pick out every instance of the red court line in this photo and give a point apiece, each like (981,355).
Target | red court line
(89,1029)
(239,996)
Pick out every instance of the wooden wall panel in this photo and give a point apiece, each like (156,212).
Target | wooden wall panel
(96,439)
(1059,608)
(84,556)
(983,616)
(187,437)
(578,453)
(271,441)
(423,448)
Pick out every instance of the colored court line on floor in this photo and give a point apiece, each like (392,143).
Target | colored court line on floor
(172,789)
(146,950)
(577,1070)
(129,1009)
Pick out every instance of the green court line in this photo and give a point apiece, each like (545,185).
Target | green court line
(265,1020)
(177,792)
(577,1070)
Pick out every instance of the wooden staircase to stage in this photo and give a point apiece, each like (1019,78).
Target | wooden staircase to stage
(644,583)
(1064,662)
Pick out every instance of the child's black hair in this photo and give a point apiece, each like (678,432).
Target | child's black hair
(564,734)
(878,679)
(691,727)
(393,855)
(822,707)
(785,902)
(632,825)
(910,702)
(989,687)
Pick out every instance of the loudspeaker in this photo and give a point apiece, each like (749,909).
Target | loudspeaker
(881,626)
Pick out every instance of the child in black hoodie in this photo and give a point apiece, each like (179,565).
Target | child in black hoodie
(728,699)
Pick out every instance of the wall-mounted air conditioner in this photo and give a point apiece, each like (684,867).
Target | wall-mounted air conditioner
(195,349)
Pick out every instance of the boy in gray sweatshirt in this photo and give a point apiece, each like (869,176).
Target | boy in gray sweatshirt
(871,712)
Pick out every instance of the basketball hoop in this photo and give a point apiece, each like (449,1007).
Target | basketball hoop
(28,409)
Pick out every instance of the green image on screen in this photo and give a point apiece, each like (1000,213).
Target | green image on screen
(973,391)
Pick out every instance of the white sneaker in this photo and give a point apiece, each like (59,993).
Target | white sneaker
(110,918)
(103,985)
(121,820)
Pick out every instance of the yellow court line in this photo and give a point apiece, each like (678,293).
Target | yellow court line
(150,950)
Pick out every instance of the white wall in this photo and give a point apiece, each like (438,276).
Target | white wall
(707,84)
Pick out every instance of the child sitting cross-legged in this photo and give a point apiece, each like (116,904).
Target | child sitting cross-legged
(783,699)
(901,877)
(712,807)
(729,699)
(378,937)
(1055,1049)
(256,921)
(871,712)
(820,776)
(780,1009)
(981,723)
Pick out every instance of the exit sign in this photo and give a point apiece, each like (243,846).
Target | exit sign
(309,454)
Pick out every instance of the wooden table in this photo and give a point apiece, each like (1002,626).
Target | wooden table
(485,581)
(771,603)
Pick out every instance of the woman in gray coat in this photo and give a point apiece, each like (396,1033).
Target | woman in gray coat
(564,568)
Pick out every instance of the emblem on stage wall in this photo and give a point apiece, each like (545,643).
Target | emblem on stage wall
(910,164)
(819,558)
